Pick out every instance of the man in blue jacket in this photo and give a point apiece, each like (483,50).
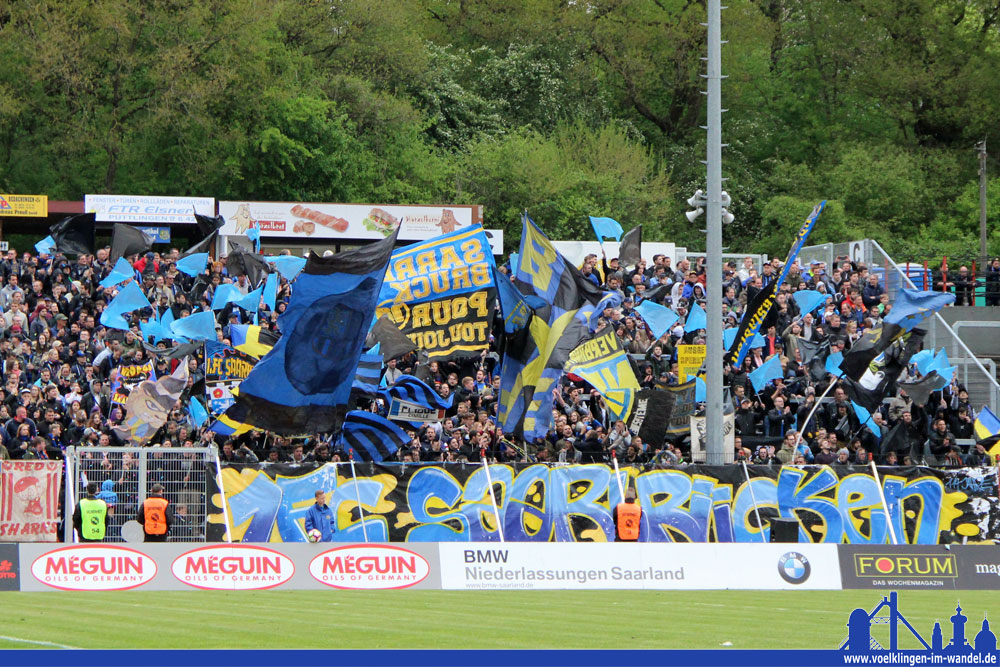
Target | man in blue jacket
(321,517)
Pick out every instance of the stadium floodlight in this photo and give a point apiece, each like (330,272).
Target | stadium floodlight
(727,217)
(693,215)
(725,199)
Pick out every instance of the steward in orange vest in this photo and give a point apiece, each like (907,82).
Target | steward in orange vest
(155,515)
(627,516)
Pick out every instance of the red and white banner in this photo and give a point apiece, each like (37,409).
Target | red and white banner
(29,500)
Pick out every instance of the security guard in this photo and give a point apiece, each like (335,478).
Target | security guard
(627,516)
(90,518)
(155,515)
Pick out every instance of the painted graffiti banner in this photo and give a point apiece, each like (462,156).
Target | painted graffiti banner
(541,503)
(29,500)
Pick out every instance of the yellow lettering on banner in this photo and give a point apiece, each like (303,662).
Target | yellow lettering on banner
(420,287)
(480,274)
(472,251)
(426,262)
(404,268)
(213,366)
(449,258)
(460,278)
(478,301)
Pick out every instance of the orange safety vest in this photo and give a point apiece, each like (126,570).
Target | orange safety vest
(628,521)
(154,511)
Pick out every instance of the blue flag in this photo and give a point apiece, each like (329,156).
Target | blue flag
(606,228)
(129,298)
(46,246)
(833,364)
(366,377)
(225,294)
(728,336)
(769,370)
(288,266)
(515,309)
(304,384)
(658,318)
(700,390)
(194,264)
(865,417)
(372,436)
(413,390)
(942,365)
(200,326)
(250,302)
(809,300)
(199,415)
(757,341)
(695,319)
(121,272)
(513,261)
(923,359)
(270,293)
(912,306)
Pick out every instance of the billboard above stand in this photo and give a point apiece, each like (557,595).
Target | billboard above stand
(313,221)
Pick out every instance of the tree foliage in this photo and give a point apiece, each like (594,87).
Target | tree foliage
(563,109)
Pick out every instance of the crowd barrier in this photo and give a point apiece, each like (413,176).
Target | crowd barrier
(492,566)
(573,503)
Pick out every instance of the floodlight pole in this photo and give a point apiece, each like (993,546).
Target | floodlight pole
(715,450)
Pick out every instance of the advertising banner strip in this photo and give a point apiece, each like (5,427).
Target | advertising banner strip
(310,220)
(24,206)
(157,210)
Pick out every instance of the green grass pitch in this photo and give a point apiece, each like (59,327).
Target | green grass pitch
(467,619)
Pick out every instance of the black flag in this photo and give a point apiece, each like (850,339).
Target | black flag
(126,241)
(394,343)
(74,235)
(921,390)
(630,250)
(240,262)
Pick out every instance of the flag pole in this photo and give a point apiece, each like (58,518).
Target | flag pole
(493,500)
(357,491)
(753,497)
(885,505)
(618,477)
(798,436)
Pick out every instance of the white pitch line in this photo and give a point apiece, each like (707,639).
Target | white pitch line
(35,641)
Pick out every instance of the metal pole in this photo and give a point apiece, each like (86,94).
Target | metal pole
(618,477)
(753,497)
(361,511)
(715,451)
(885,505)
(222,494)
(493,500)
(982,202)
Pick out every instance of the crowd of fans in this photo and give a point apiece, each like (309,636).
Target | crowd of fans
(59,364)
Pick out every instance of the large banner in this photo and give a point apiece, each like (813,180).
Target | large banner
(663,412)
(29,500)
(442,293)
(125,378)
(225,368)
(541,503)
(305,220)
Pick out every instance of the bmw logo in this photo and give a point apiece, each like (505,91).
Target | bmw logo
(794,567)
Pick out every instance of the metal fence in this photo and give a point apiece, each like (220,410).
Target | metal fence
(126,475)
